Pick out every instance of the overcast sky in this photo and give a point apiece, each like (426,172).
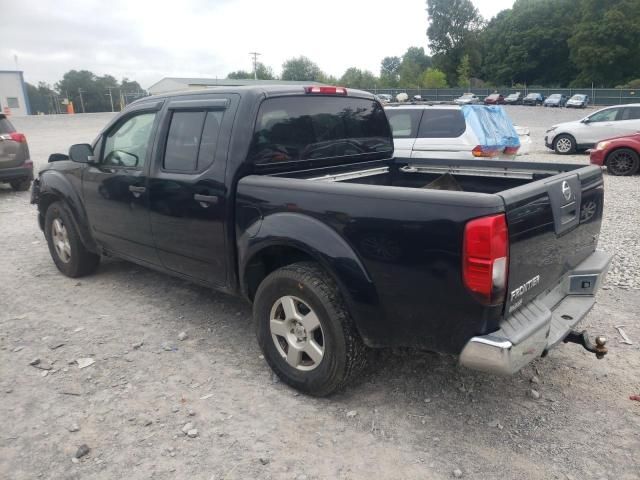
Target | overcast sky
(147,40)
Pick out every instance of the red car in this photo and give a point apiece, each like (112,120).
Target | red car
(621,155)
(494,99)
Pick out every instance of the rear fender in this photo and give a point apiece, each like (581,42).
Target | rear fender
(325,246)
(55,186)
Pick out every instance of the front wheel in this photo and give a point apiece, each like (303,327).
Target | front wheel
(65,245)
(622,162)
(305,331)
(564,144)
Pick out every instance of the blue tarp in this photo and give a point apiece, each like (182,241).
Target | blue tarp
(492,125)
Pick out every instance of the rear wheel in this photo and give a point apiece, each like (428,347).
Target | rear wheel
(622,162)
(65,246)
(564,144)
(21,185)
(305,331)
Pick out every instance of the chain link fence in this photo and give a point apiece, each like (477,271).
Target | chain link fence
(597,96)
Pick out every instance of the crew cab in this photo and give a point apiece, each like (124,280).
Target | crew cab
(291,197)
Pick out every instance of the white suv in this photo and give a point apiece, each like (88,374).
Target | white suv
(583,134)
(453,132)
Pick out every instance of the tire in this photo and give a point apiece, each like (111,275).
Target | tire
(65,246)
(313,301)
(21,185)
(564,144)
(622,162)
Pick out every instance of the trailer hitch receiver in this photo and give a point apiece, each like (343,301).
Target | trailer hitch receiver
(582,338)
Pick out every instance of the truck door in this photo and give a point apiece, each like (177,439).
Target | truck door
(114,188)
(186,189)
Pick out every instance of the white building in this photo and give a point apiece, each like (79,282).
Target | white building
(13,93)
(173,84)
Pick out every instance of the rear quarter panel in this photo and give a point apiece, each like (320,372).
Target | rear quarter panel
(409,242)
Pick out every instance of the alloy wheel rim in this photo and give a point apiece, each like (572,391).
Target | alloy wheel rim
(297,333)
(621,163)
(563,145)
(61,240)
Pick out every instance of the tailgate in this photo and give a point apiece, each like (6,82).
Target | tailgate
(554,225)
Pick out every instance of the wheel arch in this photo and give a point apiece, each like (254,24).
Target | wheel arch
(54,187)
(287,238)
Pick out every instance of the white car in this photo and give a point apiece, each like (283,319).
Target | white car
(445,132)
(583,134)
(467,99)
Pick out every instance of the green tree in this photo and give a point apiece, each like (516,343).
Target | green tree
(434,78)
(355,78)
(605,44)
(414,63)
(464,72)
(390,71)
(80,86)
(40,98)
(262,72)
(301,68)
(528,44)
(453,32)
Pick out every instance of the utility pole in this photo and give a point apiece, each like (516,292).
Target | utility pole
(81,101)
(110,97)
(255,64)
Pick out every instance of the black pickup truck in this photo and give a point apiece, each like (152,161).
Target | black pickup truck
(292,198)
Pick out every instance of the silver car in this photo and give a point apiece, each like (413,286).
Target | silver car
(467,99)
(569,137)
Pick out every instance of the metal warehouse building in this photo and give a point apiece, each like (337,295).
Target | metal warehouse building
(172,84)
(13,93)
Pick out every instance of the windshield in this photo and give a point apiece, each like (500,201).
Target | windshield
(290,129)
(494,96)
(468,95)
(532,95)
(555,96)
(578,97)
(513,95)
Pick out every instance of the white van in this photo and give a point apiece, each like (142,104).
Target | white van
(444,131)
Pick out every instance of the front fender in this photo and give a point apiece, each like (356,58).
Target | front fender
(330,250)
(54,186)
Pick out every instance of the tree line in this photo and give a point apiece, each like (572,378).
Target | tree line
(552,43)
(87,91)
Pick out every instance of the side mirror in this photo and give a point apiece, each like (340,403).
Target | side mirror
(585,120)
(81,153)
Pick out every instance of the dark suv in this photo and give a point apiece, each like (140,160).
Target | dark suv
(16,168)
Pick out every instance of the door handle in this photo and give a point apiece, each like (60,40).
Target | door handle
(205,200)
(137,191)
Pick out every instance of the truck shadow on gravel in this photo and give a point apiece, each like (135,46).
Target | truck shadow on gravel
(415,385)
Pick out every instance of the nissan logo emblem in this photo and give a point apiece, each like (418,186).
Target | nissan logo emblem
(566,191)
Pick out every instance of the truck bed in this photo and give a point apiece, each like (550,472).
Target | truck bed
(404,226)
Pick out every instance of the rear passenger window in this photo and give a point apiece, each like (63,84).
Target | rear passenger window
(442,123)
(5,125)
(631,113)
(192,139)
(404,122)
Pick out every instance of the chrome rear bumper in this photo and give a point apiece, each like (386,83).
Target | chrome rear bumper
(541,324)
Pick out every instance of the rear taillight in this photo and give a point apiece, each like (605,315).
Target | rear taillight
(511,150)
(15,136)
(484,151)
(485,258)
(326,90)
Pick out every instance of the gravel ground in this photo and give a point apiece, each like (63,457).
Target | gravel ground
(413,415)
